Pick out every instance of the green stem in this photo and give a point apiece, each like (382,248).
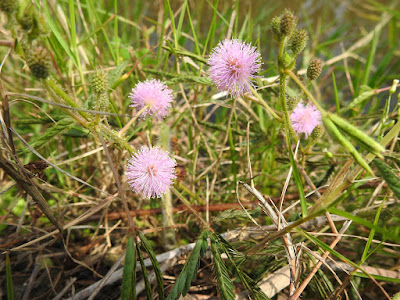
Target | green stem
(263,103)
(115,138)
(306,91)
(51,86)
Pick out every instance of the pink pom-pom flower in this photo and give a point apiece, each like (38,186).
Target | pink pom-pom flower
(155,95)
(150,172)
(233,64)
(305,118)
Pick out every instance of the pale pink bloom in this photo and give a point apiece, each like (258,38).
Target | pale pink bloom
(304,118)
(233,64)
(150,172)
(155,95)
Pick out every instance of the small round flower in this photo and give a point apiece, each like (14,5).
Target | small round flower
(305,118)
(155,95)
(233,64)
(150,172)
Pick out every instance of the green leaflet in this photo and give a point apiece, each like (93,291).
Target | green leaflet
(391,179)
(335,132)
(149,293)
(189,271)
(60,127)
(254,290)
(225,284)
(356,133)
(154,261)
(128,288)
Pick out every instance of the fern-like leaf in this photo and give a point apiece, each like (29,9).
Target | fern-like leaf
(189,271)
(225,284)
(60,127)
(254,290)
(391,179)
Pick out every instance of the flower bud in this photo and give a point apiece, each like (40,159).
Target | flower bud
(39,63)
(318,132)
(288,23)
(276,27)
(104,102)
(299,42)
(315,69)
(8,6)
(292,102)
(27,19)
(99,81)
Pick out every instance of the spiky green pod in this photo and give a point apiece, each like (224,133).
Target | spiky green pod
(288,23)
(9,6)
(315,68)
(39,62)
(276,27)
(318,132)
(100,81)
(28,19)
(356,133)
(299,42)
(104,101)
(292,102)
(335,132)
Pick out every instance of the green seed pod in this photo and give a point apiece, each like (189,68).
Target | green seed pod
(356,133)
(335,132)
(299,42)
(318,132)
(315,69)
(9,6)
(99,81)
(288,23)
(292,102)
(276,27)
(27,20)
(104,101)
(39,63)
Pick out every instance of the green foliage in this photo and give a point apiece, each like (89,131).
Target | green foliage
(149,250)
(60,127)
(225,285)
(148,289)
(189,271)
(128,288)
(390,177)
(250,285)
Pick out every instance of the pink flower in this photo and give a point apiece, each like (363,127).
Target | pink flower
(155,95)
(304,118)
(150,172)
(233,65)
